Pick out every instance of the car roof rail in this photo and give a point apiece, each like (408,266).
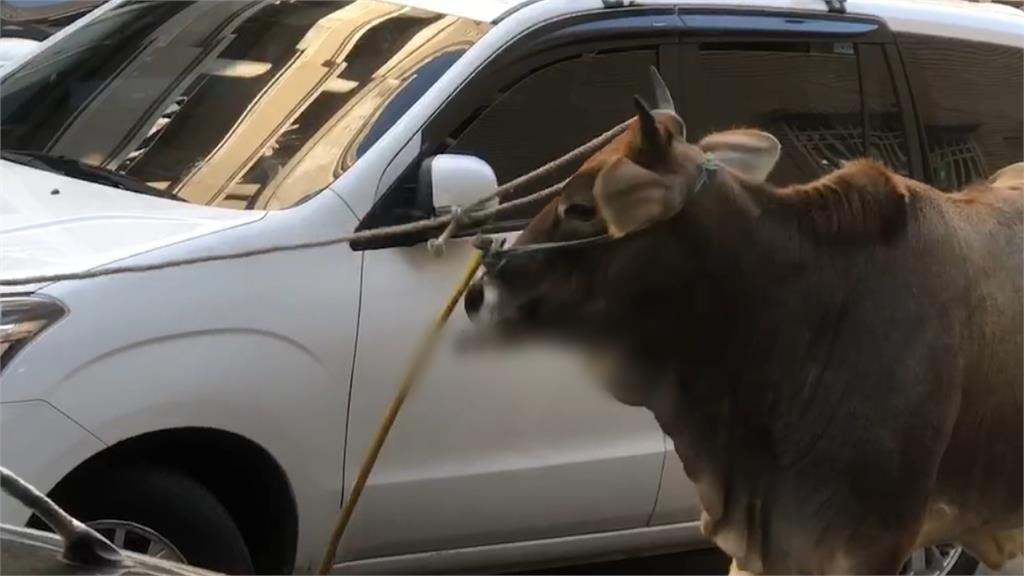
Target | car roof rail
(836,6)
(82,545)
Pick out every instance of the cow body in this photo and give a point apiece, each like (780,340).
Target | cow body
(856,399)
(839,364)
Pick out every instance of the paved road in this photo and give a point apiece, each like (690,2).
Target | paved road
(1015,568)
(702,562)
(699,562)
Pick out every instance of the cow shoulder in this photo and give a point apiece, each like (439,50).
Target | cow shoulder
(861,202)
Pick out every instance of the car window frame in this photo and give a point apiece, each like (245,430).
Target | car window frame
(689,74)
(661,28)
(546,45)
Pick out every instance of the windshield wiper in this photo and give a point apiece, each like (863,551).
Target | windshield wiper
(77,169)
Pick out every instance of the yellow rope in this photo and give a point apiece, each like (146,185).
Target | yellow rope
(423,350)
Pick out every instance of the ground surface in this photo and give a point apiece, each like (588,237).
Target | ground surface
(1016,567)
(702,562)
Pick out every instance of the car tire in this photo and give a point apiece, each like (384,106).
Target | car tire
(174,506)
(965,564)
(941,562)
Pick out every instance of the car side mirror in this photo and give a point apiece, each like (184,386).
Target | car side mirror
(450,180)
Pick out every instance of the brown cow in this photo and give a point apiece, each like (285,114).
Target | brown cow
(838,363)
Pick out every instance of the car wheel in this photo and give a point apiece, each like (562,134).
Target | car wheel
(941,560)
(165,513)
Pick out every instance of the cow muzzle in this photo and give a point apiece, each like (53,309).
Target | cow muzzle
(482,302)
(481,294)
(474,299)
(509,291)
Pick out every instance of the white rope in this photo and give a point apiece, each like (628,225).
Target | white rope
(82,544)
(469,215)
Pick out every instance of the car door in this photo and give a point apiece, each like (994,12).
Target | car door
(824,86)
(509,444)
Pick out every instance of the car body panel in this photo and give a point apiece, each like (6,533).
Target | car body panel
(22,425)
(485,451)
(980,22)
(534,554)
(52,223)
(677,496)
(244,354)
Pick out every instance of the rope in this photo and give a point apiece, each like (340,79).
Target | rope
(581,153)
(426,344)
(82,545)
(472,214)
(423,350)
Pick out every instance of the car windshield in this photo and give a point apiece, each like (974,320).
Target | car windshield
(235,104)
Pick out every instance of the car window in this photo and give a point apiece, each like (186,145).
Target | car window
(251,104)
(968,96)
(39,19)
(887,139)
(811,96)
(531,121)
(552,111)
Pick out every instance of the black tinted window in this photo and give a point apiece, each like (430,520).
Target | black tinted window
(533,120)
(968,96)
(554,110)
(809,95)
(886,137)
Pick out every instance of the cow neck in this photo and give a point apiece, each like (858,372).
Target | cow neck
(765,298)
(753,337)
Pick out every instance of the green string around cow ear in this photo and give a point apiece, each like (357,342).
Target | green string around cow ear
(707,165)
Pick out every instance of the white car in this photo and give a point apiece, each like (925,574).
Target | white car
(25,23)
(12,49)
(216,413)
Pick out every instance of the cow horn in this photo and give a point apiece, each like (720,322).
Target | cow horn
(662,97)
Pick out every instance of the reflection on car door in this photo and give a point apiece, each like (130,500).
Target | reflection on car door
(507,444)
(495,445)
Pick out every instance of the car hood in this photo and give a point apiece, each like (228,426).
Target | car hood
(52,224)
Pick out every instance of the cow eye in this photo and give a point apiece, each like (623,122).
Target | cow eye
(581,212)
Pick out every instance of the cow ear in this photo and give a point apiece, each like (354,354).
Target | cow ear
(749,153)
(651,139)
(630,197)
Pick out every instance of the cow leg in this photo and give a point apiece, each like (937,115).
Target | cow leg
(734,570)
(837,537)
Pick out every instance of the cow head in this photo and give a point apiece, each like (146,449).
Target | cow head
(634,199)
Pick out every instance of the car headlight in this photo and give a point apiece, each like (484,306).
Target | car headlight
(21,318)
